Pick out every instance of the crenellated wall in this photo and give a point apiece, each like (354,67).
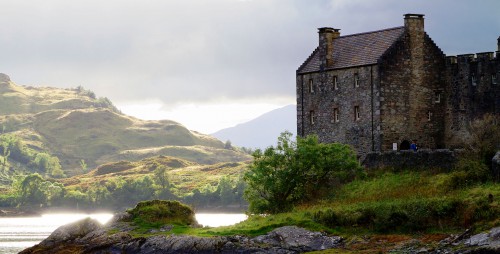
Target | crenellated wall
(473,89)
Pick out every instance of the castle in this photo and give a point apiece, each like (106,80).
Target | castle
(380,90)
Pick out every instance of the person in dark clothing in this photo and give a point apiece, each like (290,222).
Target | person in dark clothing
(413,146)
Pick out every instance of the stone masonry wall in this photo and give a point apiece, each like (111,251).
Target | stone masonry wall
(473,89)
(441,159)
(408,94)
(344,97)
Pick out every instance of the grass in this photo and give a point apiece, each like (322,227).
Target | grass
(185,175)
(400,203)
(75,126)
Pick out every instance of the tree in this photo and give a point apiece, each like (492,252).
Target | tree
(31,190)
(292,171)
(228,145)
(225,190)
(83,165)
(485,137)
(161,176)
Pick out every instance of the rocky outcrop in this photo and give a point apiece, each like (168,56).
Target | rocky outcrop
(486,242)
(88,236)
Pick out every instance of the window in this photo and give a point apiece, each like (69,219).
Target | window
(437,97)
(311,86)
(494,79)
(429,115)
(357,115)
(473,80)
(335,85)
(312,117)
(356,80)
(336,115)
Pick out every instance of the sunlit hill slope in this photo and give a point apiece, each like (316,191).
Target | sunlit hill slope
(75,126)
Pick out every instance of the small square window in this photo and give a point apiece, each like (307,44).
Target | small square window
(473,80)
(437,97)
(357,114)
(494,79)
(356,80)
(335,84)
(311,86)
(312,117)
(336,115)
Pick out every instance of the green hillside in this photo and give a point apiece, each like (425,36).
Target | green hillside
(80,129)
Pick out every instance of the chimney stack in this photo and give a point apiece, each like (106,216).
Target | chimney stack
(498,43)
(326,37)
(414,23)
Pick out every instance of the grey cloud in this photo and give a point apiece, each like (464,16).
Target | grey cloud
(197,50)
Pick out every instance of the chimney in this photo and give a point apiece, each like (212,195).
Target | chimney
(498,43)
(414,23)
(326,37)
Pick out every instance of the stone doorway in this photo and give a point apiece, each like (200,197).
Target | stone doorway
(405,145)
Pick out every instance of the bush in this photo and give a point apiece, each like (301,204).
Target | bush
(157,213)
(291,172)
(467,173)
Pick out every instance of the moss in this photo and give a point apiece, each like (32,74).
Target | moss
(157,213)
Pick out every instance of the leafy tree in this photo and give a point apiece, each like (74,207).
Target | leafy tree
(484,140)
(31,190)
(83,165)
(283,175)
(161,176)
(228,145)
(6,154)
(225,190)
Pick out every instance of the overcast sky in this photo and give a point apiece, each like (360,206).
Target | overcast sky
(208,64)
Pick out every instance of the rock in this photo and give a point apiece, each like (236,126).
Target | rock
(73,230)
(295,238)
(490,239)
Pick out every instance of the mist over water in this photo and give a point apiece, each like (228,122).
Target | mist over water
(19,233)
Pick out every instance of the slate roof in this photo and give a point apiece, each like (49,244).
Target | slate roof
(355,49)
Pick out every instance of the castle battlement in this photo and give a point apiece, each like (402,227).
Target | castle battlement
(477,57)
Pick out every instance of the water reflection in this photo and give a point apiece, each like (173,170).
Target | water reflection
(19,233)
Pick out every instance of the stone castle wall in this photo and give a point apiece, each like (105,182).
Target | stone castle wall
(414,92)
(410,82)
(441,159)
(326,97)
(473,89)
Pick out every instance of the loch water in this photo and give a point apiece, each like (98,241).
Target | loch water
(18,233)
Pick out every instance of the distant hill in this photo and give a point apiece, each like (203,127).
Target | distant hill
(262,131)
(75,125)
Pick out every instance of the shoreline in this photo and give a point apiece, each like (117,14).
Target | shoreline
(32,212)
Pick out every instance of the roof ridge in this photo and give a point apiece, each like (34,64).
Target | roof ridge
(376,31)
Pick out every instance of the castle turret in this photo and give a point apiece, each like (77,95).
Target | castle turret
(326,37)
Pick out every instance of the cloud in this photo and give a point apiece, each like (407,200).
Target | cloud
(200,51)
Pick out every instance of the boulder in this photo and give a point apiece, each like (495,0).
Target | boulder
(299,239)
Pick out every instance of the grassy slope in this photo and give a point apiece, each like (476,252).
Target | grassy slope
(185,175)
(74,126)
(384,192)
(412,191)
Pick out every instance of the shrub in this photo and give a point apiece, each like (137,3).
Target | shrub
(291,172)
(157,213)
(467,173)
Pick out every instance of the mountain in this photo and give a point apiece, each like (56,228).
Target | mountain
(262,131)
(77,128)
